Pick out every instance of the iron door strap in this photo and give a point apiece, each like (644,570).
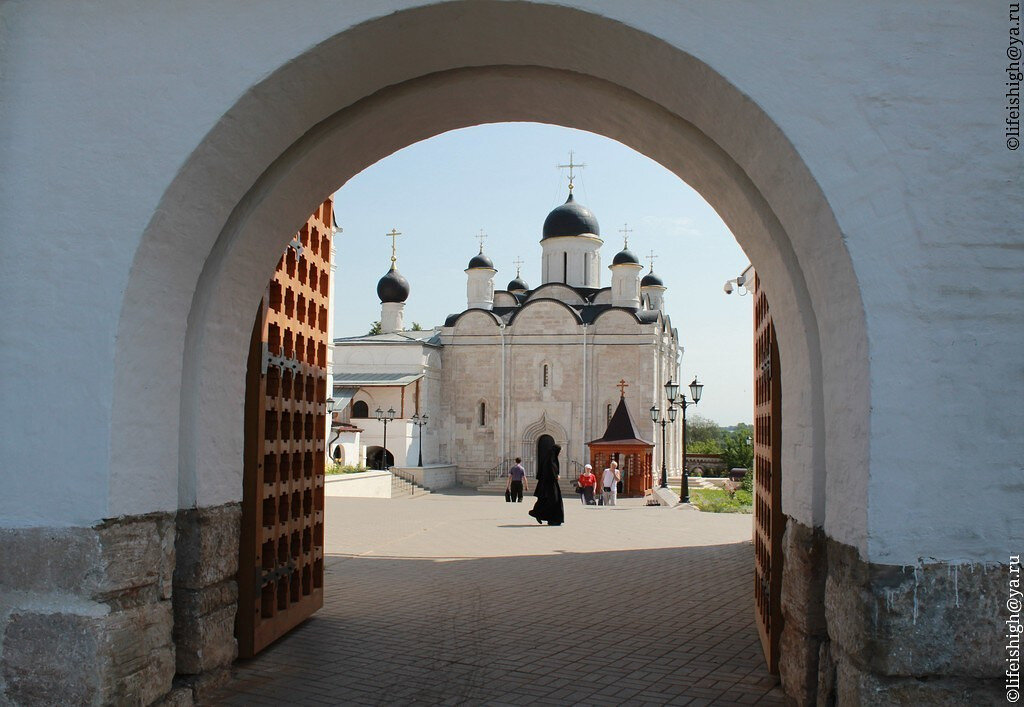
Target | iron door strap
(265,577)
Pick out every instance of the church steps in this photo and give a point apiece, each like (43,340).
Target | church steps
(403,487)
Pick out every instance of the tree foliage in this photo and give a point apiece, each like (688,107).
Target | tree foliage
(416,326)
(736,451)
(705,437)
(705,446)
(700,429)
(374,329)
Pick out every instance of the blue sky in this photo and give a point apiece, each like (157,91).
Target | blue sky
(502,178)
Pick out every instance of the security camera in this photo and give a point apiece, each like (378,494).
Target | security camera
(728,287)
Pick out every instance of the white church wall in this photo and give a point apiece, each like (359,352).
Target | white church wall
(541,317)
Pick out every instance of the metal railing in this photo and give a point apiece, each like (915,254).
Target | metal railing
(499,470)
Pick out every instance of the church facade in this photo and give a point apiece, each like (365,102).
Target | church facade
(521,367)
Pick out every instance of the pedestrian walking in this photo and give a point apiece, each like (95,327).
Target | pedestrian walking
(549,496)
(516,483)
(609,484)
(587,483)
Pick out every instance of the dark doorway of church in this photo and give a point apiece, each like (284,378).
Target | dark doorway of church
(544,445)
(373,458)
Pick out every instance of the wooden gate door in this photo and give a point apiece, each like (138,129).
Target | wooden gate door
(281,553)
(768,518)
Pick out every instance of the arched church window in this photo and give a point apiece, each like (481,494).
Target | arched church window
(546,376)
(608,412)
(482,413)
(360,409)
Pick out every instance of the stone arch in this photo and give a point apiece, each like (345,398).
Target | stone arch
(534,431)
(327,114)
(716,139)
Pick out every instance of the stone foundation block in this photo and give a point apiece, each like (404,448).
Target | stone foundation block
(802,601)
(85,615)
(205,590)
(122,562)
(929,620)
(121,657)
(857,687)
(204,628)
(207,545)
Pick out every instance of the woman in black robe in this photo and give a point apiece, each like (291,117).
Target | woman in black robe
(549,495)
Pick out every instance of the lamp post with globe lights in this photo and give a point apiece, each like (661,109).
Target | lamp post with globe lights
(670,394)
(696,388)
(419,422)
(384,418)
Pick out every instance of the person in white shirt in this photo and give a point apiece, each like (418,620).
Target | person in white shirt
(609,484)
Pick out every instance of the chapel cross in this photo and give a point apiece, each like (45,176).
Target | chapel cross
(518,262)
(622,385)
(651,258)
(571,167)
(394,234)
(481,236)
(625,231)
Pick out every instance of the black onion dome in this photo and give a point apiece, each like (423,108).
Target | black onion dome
(651,280)
(393,287)
(481,261)
(625,256)
(517,284)
(570,219)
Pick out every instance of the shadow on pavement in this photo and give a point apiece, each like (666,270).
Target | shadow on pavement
(657,626)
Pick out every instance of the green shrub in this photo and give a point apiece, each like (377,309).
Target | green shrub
(748,482)
(721,501)
(336,468)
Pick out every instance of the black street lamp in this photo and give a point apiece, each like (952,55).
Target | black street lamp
(384,418)
(670,393)
(419,422)
(695,391)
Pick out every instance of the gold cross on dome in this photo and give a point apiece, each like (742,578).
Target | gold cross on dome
(518,262)
(571,167)
(481,236)
(622,385)
(625,231)
(651,258)
(394,234)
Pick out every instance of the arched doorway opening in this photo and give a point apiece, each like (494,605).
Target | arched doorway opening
(379,458)
(665,103)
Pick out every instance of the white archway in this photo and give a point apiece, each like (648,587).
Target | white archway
(280,150)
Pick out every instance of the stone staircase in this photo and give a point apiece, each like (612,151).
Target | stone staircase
(403,487)
(497,487)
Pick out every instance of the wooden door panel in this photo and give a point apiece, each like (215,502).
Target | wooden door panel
(768,518)
(281,553)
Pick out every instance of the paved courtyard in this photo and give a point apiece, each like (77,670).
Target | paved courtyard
(456,598)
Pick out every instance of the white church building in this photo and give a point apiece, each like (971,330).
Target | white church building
(516,368)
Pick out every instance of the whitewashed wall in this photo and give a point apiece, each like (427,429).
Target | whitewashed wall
(152,155)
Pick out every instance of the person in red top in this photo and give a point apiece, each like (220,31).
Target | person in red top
(587,482)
